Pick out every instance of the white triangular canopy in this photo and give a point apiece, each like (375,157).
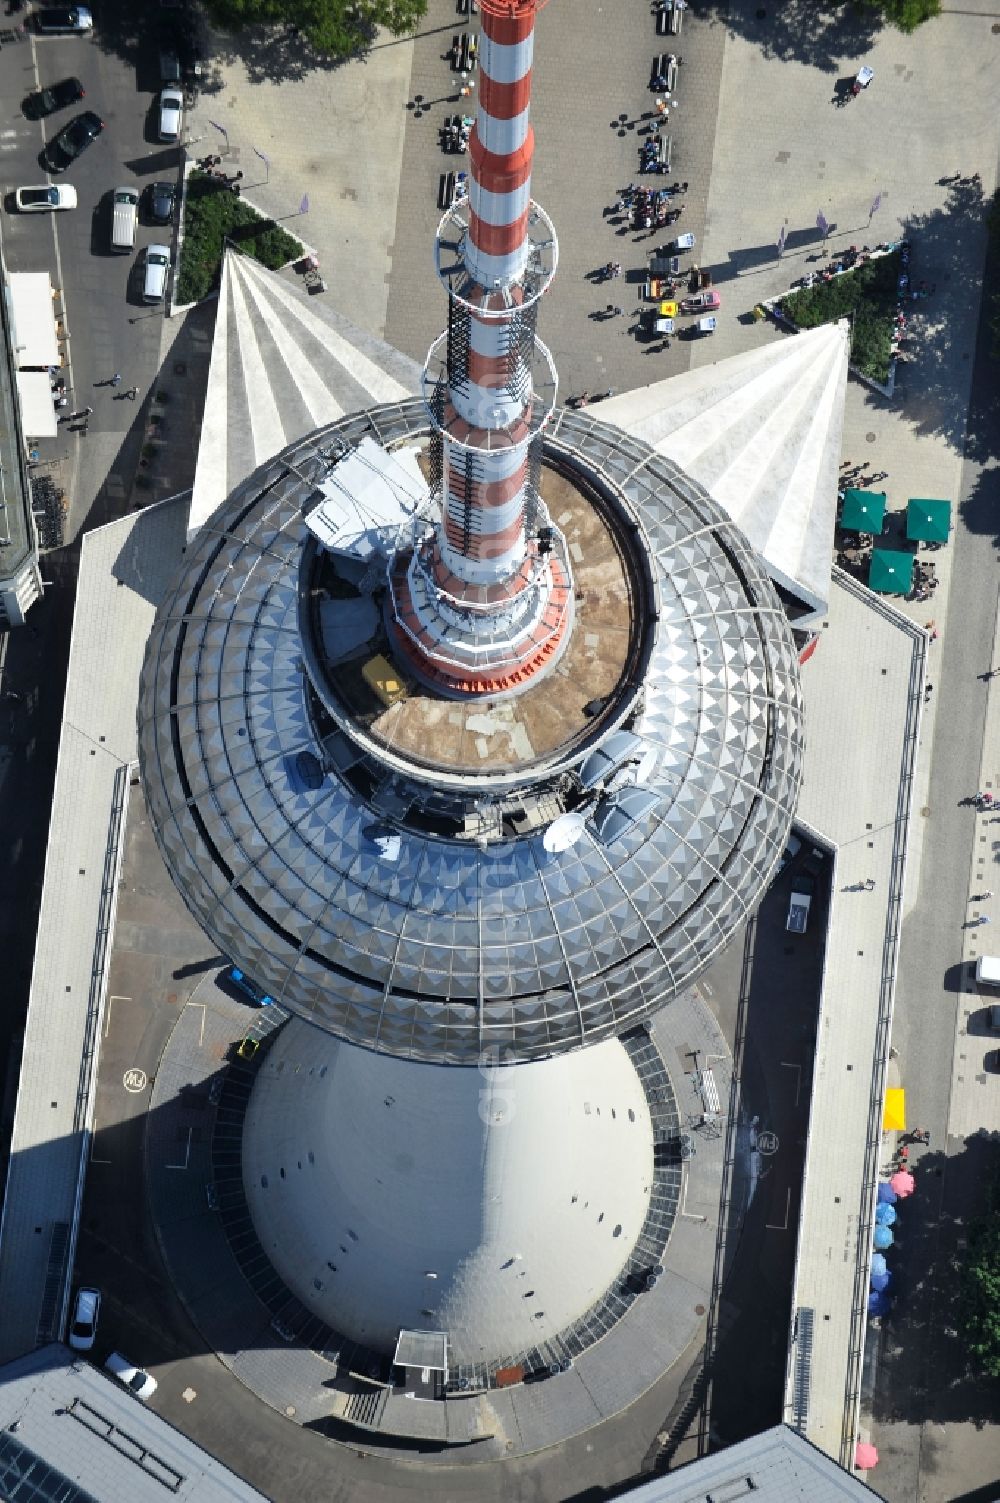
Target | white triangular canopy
(761,431)
(283,363)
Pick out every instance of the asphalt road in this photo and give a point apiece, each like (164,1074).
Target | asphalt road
(73,246)
(110,328)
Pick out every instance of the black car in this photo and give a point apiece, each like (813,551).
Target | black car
(161,199)
(54,19)
(71,140)
(56,97)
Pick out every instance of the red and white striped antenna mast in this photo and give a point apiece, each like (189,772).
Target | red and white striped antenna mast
(484,605)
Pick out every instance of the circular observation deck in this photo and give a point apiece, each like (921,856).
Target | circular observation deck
(389,864)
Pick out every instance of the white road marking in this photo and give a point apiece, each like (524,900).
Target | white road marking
(787,1065)
(774,1226)
(107,1013)
(187,1154)
(201,1030)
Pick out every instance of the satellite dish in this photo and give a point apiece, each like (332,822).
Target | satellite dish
(563,832)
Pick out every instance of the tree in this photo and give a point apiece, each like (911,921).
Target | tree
(337,27)
(906,14)
(979,1314)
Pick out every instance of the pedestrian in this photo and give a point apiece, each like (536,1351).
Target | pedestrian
(116,379)
(928,691)
(869,884)
(984,918)
(132,393)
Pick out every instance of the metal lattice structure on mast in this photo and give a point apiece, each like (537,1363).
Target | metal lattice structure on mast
(484,603)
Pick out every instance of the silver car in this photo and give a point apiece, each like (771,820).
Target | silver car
(86,1313)
(157,269)
(134,1378)
(171,112)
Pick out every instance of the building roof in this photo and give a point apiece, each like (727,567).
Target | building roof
(776,1466)
(368,499)
(452,945)
(17,528)
(494,1205)
(69,1434)
(761,431)
(124,568)
(283,363)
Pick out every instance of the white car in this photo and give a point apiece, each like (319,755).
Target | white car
(45,196)
(171,109)
(86,1312)
(135,1380)
(155,273)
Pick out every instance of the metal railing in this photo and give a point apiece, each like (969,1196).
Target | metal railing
(83,1111)
(887,994)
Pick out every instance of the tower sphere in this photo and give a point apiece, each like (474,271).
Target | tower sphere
(433,876)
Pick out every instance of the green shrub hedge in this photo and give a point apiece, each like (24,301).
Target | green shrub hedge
(867,296)
(213,213)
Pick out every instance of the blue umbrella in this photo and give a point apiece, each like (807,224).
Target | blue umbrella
(885,1214)
(886,1194)
(883,1238)
(881,1281)
(878,1304)
(878,1264)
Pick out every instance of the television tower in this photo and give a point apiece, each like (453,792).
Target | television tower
(484,603)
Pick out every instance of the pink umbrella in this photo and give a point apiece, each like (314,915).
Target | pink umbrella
(865,1456)
(903,1183)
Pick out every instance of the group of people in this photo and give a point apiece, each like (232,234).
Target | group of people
(854,475)
(925,580)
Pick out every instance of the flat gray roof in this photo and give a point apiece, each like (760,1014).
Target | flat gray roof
(776,1466)
(123,571)
(17,531)
(69,1434)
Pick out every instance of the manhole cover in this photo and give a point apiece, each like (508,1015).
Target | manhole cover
(925,811)
(699,1309)
(869,438)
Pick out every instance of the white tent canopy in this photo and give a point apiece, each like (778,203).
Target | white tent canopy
(34,325)
(38,415)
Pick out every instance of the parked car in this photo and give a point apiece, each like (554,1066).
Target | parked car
(56,97)
(53,20)
(161,201)
(170,62)
(86,1313)
(799,903)
(157,269)
(702,302)
(138,1382)
(46,196)
(171,111)
(790,852)
(74,138)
